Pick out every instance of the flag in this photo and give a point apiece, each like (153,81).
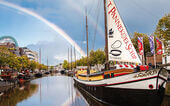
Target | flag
(152,46)
(159,46)
(140,45)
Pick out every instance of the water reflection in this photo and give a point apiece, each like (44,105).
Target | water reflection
(88,99)
(13,96)
(52,91)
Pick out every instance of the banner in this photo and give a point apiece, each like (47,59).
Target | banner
(152,46)
(140,45)
(120,47)
(159,46)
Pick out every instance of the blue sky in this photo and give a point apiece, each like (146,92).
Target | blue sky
(138,15)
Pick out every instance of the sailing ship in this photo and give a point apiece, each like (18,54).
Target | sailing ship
(123,86)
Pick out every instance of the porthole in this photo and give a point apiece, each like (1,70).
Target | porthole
(151,86)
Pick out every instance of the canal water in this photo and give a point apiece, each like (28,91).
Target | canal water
(51,91)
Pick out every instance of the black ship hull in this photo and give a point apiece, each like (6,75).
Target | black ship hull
(123,97)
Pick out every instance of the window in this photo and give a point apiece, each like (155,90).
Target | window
(112,75)
(106,76)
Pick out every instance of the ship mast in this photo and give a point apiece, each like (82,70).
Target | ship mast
(106,39)
(88,70)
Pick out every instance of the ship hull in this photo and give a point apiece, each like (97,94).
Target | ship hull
(126,93)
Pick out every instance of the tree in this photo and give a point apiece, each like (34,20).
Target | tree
(51,67)
(96,57)
(163,29)
(65,64)
(4,53)
(13,62)
(33,65)
(145,41)
(44,67)
(24,61)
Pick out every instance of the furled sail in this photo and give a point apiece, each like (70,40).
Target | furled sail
(120,47)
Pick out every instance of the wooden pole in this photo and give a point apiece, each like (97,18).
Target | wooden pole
(106,38)
(88,71)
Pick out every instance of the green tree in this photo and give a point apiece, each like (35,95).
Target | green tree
(145,41)
(65,64)
(33,65)
(24,61)
(163,29)
(13,61)
(96,57)
(44,67)
(51,67)
(4,54)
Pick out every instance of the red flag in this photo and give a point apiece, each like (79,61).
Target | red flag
(140,45)
(159,46)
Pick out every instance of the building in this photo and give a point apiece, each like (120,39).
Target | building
(32,55)
(150,59)
(59,67)
(166,54)
(10,43)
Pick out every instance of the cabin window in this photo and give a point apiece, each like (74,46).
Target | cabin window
(106,76)
(112,75)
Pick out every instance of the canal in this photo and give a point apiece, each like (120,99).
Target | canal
(51,90)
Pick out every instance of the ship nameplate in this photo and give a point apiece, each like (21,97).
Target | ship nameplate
(146,73)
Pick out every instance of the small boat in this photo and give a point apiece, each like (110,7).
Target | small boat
(23,78)
(47,72)
(62,71)
(122,86)
(39,74)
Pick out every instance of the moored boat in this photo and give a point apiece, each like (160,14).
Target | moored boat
(133,88)
(123,86)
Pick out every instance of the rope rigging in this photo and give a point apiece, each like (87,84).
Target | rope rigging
(97,20)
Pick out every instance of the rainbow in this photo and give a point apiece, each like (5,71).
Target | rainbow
(51,25)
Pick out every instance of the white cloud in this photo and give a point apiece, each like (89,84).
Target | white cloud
(84,42)
(60,57)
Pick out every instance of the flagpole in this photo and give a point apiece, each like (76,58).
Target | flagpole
(154,52)
(155,59)
(143,52)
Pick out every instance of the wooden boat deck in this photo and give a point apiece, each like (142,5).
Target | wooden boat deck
(104,74)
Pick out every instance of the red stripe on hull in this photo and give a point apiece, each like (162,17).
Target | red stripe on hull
(127,81)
